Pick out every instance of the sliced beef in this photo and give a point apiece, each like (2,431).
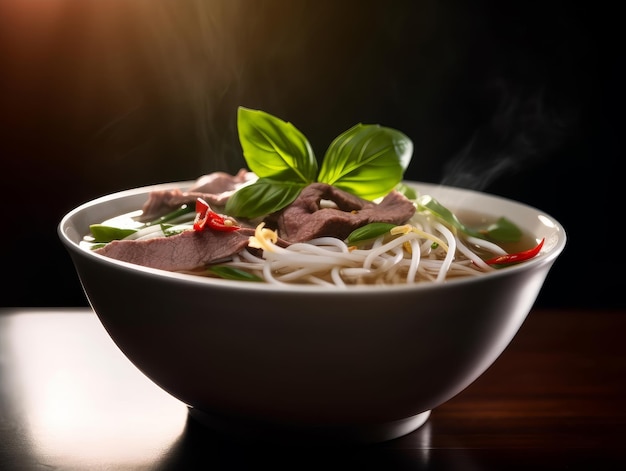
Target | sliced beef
(185,251)
(188,250)
(303,220)
(215,188)
(306,219)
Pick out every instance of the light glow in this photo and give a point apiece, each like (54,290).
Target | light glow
(85,403)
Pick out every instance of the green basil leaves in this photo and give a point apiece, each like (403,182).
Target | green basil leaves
(366,160)
(274,148)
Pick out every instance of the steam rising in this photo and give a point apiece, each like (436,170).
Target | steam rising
(193,60)
(155,85)
(199,60)
(521,132)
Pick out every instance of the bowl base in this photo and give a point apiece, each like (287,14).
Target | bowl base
(357,434)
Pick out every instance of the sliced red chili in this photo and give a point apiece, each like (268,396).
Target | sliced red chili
(206,217)
(516,257)
(202,209)
(221,224)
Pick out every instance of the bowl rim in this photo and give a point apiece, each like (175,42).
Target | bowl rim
(546,256)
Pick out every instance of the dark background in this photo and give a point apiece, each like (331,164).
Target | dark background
(518,99)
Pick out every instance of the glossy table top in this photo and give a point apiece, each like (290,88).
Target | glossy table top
(70,400)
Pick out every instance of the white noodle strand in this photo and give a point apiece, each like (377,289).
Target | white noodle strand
(486,245)
(423,250)
(451,250)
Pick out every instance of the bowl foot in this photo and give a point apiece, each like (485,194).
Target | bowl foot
(356,434)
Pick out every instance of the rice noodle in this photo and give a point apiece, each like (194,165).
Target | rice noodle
(423,250)
(420,251)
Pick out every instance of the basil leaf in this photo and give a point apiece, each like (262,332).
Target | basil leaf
(366,160)
(232,273)
(262,197)
(369,231)
(274,148)
(102,233)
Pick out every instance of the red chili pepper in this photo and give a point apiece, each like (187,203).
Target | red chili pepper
(205,217)
(516,257)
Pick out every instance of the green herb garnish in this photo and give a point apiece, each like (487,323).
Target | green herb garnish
(366,160)
(502,230)
(368,232)
(103,233)
(231,273)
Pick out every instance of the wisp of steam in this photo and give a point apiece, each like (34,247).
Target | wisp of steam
(522,131)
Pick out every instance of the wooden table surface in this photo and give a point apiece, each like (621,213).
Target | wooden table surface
(70,400)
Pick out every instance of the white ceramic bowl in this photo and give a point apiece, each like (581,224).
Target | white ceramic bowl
(366,364)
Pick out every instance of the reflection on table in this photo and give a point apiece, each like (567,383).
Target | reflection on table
(70,399)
